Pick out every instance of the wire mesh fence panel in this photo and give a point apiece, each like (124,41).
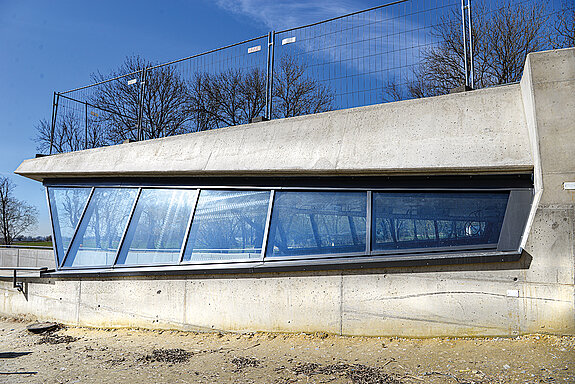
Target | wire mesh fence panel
(396,51)
(364,58)
(100,114)
(506,31)
(223,87)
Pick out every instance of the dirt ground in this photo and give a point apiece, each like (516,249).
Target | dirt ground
(83,355)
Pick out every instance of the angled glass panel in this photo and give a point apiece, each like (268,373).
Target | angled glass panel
(312,223)
(405,220)
(101,229)
(228,225)
(67,205)
(158,226)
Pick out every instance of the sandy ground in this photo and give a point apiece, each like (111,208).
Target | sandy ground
(83,355)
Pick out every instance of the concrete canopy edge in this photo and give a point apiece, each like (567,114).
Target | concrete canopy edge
(483,131)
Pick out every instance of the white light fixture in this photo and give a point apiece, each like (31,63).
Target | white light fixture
(569,185)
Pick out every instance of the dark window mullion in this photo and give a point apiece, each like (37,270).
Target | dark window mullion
(267,227)
(53,228)
(189,227)
(121,245)
(368,223)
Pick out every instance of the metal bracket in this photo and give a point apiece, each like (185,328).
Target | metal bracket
(19,285)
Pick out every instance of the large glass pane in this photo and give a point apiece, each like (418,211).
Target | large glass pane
(101,229)
(67,205)
(310,223)
(228,225)
(405,220)
(158,227)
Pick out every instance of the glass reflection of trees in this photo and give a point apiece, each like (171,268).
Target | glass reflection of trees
(307,223)
(228,225)
(67,205)
(158,227)
(100,232)
(422,220)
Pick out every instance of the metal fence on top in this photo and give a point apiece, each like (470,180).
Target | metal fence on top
(363,58)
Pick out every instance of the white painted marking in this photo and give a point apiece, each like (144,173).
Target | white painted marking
(568,185)
(513,293)
(255,49)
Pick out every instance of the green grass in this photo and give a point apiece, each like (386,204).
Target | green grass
(34,244)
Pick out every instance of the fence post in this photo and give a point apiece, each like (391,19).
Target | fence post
(55,100)
(270,74)
(141,103)
(86,125)
(464,42)
(467,41)
(471,80)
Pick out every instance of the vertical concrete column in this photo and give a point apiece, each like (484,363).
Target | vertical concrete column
(548,91)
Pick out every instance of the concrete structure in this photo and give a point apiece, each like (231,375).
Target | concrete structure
(515,129)
(17,256)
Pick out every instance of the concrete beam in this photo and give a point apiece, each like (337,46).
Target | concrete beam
(482,131)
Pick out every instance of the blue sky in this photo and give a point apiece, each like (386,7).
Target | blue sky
(48,46)
(56,45)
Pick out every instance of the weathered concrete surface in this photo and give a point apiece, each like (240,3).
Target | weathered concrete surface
(408,302)
(526,125)
(480,131)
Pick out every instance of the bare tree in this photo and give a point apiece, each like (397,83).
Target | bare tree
(164,101)
(502,38)
(71,133)
(229,98)
(15,216)
(235,96)
(295,93)
(563,35)
(170,105)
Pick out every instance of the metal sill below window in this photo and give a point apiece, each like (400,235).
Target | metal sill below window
(365,262)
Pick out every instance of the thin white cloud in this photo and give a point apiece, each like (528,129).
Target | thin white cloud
(387,46)
(283,14)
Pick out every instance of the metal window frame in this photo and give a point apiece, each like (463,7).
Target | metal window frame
(53,229)
(111,266)
(58,245)
(224,261)
(326,255)
(128,227)
(73,239)
(367,256)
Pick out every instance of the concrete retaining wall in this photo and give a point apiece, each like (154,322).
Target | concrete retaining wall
(27,257)
(487,300)
(530,126)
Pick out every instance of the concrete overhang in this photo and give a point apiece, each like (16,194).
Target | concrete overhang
(483,131)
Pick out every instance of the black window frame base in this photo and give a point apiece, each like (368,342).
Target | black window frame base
(464,259)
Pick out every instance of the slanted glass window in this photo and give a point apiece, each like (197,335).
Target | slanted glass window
(406,220)
(67,205)
(101,229)
(158,226)
(228,225)
(311,223)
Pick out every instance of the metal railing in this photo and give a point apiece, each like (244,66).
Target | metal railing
(362,58)
(29,271)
